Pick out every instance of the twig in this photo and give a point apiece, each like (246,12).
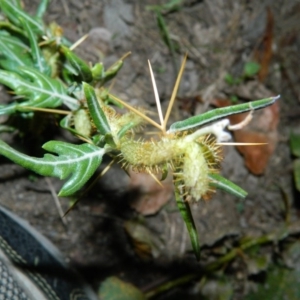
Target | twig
(56,200)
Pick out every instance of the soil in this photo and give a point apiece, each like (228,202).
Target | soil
(219,37)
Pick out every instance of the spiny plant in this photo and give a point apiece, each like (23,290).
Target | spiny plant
(39,66)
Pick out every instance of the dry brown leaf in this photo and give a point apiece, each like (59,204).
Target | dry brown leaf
(256,157)
(150,196)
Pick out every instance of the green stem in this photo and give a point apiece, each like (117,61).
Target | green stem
(272,237)
(169,285)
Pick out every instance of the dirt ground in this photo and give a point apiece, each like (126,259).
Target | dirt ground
(219,37)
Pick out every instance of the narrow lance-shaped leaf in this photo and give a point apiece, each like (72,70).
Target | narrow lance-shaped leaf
(220,113)
(10,27)
(76,163)
(81,68)
(95,110)
(17,3)
(98,71)
(65,124)
(14,12)
(42,91)
(41,9)
(295,144)
(14,53)
(125,129)
(187,216)
(164,32)
(296,167)
(36,53)
(113,70)
(226,185)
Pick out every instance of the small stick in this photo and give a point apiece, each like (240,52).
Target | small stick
(77,43)
(90,186)
(125,55)
(104,171)
(48,110)
(56,201)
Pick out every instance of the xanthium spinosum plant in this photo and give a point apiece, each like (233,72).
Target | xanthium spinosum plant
(39,66)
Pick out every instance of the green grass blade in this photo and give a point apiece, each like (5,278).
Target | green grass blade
(220,113)
(187,216)
(95,110)
(76,163)
(164,32)
(226,185)
(36,53)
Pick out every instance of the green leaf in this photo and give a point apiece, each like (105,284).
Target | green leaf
(280,284)
(125,129)
(234,99)
(112,71)
(295,144)
(15,53)
(15,13)
(229,79)
(80,67)
(251,68)
(76,163)
(115,289)
(226,185)
(188,219)
(164,32)
(291,253)
(296,167)
(36,53)
(95,110)
(66,122)
(42,91)
(100,76)
(104,96)
(220,113)
(98,71)
(17,3)
(172,5)
(41,9)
